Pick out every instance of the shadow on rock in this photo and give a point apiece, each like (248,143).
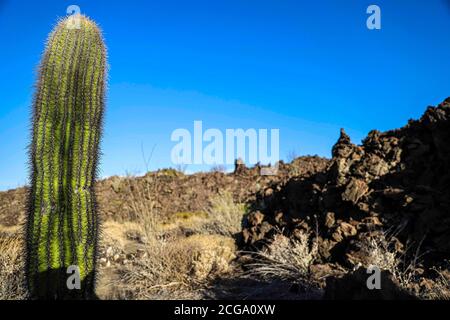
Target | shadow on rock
(353,286)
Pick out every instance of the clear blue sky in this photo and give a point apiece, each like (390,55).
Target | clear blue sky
(305,67)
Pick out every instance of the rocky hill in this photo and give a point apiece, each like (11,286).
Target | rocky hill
(395,185)
(396,181)
(169,191)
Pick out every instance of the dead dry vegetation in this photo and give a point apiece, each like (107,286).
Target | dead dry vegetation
(147,254)
(178,254)
(194,255)
(196,248)
(11,268)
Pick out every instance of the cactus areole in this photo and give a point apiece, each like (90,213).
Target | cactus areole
(62,221)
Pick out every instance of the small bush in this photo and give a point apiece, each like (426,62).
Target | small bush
(285,259)
(173,267)
(225,215)
(11,269)
(380,252)
(441,288)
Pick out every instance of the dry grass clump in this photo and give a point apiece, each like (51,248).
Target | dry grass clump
(171,269)
(285,259)
(225,215)
(185,261)
(212,255)
(380,252)
(186,220)
(166,266)
(381,255)
(175,266)
(441,288)
(11,269)
(140,197)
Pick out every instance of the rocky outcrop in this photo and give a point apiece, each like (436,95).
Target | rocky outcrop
(396,181)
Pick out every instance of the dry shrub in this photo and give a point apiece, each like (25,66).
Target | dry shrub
(177,265)
(380,251)
(164,266)
(225,215)
(187,220)
(173,267)
(285,259)
(11,269)
(212,256)
(140,195)
(441,288)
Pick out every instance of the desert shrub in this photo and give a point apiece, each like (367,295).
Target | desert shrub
(11,269)
(441,288)
(173,267)
(225,215)
(284,259)
(380,251)
(164,266)
(178,266)
(212,256)
(170,172)
(139,195)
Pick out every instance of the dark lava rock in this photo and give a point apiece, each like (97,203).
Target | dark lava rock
(353,286)
(397,180)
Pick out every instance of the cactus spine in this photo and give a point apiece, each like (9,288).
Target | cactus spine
(62,222)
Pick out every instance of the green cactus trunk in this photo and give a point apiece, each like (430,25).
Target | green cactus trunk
(62,224)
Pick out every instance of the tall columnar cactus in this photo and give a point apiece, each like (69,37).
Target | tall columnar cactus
(62,224)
